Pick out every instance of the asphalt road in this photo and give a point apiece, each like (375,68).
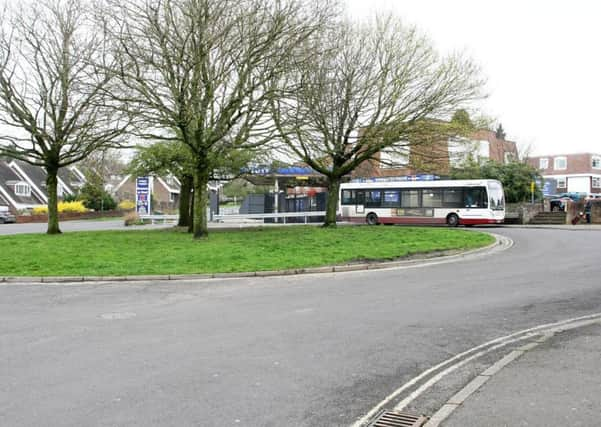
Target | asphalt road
(66,226)
(315,350)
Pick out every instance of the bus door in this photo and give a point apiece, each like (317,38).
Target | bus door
(360,202)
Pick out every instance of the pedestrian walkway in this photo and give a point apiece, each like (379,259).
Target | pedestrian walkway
(558,383)
(577,227)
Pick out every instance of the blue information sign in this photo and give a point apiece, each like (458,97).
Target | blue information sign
(143,195)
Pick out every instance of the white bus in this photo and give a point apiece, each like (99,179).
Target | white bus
(457,202)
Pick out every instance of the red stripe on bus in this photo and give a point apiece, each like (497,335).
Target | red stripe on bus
(477,221)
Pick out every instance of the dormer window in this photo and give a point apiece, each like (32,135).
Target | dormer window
(22,189)
(596,162)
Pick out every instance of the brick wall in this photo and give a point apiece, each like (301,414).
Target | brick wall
(434,159)
(70,216)
(576,164)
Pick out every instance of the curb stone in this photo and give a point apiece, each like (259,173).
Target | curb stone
(452,255)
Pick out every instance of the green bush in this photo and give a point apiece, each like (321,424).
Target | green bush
(96,198)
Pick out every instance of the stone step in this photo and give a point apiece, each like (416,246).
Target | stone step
(558,218)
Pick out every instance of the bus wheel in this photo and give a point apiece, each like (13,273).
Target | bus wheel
(452,220)
(372,218)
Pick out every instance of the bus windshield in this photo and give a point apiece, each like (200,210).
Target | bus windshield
(495,196)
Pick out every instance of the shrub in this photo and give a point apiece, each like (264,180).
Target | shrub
(71,207)
(40,210)
(127,205)
(132,218)
(96,198)
(70,197)
(75,207)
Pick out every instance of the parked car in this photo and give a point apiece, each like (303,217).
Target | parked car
(558,202)
(6,216)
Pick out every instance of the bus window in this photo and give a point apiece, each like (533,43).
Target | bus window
(373,198)
(452,197)
(475,198)
(392,199)
(431,198)
(495,192)
(348,197)
(410,199)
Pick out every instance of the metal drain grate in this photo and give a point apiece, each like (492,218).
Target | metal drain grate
(398,419)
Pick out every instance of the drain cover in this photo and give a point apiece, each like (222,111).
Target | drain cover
(398,419)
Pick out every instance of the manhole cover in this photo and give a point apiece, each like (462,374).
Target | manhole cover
(398,419)
(117,316)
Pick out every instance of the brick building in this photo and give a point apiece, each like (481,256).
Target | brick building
(439,158)
(579,173)
(165,191)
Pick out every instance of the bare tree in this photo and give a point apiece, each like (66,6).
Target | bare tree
(368,87)
(200,71)
(54,109)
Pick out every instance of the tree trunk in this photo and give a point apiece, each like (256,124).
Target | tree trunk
(201,198)
(52,187)
(184,200)
(332,201)
(191,214)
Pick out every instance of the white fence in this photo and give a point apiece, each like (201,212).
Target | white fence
(164,219)
(262,216)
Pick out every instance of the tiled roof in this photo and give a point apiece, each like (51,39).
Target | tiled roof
(8,175)
(35,173)
(70,178)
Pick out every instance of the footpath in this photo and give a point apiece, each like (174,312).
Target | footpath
(556,383)
(577,227)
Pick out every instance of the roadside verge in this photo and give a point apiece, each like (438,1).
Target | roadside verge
(501,243)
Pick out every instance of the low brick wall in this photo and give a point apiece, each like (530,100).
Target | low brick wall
(522,213)
(70,216)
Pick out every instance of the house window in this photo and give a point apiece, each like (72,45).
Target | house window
(460,151)
(483,150)
(596,182)
(562,183)
(23,189)
(543,163)
(596,162)
(560,163)
(508,157)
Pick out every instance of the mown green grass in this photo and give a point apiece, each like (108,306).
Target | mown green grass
(141,252)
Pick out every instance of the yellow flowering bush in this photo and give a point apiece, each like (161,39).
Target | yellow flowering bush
(74,207)
(127,205)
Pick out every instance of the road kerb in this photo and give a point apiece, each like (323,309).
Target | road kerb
(500,241)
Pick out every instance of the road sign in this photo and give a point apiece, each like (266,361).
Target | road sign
(143,195)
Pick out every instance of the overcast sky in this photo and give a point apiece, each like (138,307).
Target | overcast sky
(542,60)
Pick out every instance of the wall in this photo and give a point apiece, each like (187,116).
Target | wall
(521,213)
(70,216)
(575,208)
